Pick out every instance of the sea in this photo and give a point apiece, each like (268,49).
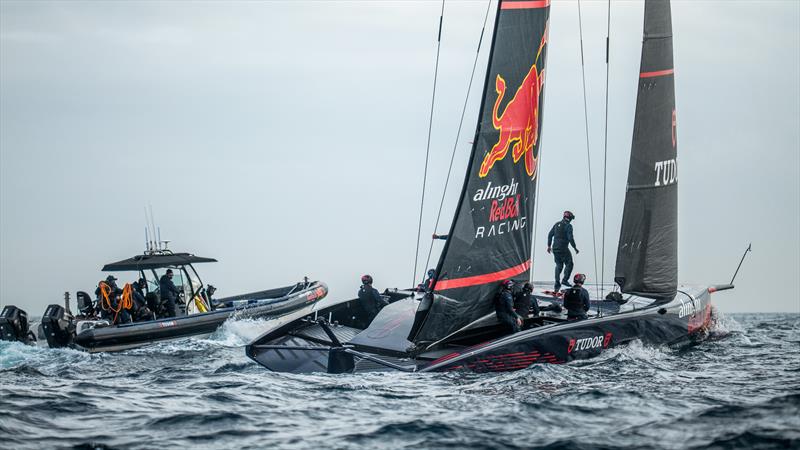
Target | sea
(738,389)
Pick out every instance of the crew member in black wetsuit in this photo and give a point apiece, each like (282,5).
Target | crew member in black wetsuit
(576,299)
(504,307)
(140,310)
(525,303)
(169,293)
(369,298)
(558,241)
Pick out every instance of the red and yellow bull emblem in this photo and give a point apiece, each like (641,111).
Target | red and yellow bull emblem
(518,124)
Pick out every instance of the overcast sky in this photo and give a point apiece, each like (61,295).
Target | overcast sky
(288,138)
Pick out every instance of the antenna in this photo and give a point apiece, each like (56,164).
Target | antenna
(153,223)
(146,239)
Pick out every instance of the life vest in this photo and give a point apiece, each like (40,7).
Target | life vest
(573,301)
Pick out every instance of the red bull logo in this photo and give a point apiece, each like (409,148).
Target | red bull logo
(518,124)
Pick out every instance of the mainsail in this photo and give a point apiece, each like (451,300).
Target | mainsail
(490,237)
(647,257)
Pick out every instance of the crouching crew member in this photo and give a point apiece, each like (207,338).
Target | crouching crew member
(108,294)
(525,303)
(504,307)
(576,299)
(140,310)
(369,298)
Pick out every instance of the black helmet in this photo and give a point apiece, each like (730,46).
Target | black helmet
(508,284)
(568,215)
(527,287)
(431,273)
(366,279)
(579,278)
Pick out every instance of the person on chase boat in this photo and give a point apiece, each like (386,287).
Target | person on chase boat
(558,241)
(576,299)
(169,293)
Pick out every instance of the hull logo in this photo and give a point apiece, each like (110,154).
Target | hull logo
(601,341)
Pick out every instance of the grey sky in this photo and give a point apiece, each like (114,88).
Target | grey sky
(288,138)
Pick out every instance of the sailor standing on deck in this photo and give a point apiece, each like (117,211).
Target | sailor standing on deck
(169,293)
(576,299)
(369,298)
(504,307)
(558,241)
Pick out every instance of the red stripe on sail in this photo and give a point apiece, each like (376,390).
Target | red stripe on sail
(657,73)
(525,4)
(483,279)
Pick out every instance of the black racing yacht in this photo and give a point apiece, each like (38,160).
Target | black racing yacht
(198,313)
(452,326)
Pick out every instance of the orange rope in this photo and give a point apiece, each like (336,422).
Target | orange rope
(125,300)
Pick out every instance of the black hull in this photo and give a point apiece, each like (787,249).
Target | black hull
(60,332)
(681,322)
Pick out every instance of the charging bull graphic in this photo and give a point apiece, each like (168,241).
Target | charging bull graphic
(519,123)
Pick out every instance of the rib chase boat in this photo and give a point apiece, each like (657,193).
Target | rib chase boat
(452,326)
(198,313)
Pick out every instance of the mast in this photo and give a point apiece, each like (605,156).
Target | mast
(491,233)
(647,256)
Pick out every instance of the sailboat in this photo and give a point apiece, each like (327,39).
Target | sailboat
(452,326)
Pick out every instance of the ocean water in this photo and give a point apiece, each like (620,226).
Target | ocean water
(739,389)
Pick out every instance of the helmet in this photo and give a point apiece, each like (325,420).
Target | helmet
(568,215)
(431,273)
(527,287)
(579,278)
(508,284)
(366,279)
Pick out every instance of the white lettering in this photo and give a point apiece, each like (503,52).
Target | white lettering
(666,172)
(497,192)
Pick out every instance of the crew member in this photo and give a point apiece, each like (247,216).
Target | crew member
(369,298)
(504,307)
(169,293)
(108,293)
(576,299)
(429,281)
(525,303)
(442,237)
(558,241)
(140,310)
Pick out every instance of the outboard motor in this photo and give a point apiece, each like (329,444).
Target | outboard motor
(14,325)
(57,328)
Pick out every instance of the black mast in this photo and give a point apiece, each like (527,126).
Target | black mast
(647,256)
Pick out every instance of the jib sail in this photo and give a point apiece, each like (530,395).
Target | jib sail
(647,257)
(490,237)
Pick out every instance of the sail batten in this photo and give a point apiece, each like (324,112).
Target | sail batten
(647,255)
(490,237)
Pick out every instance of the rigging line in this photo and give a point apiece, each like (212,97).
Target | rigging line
(605,152)
(536,186)
(428,146)
(458,133)
(588,153)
